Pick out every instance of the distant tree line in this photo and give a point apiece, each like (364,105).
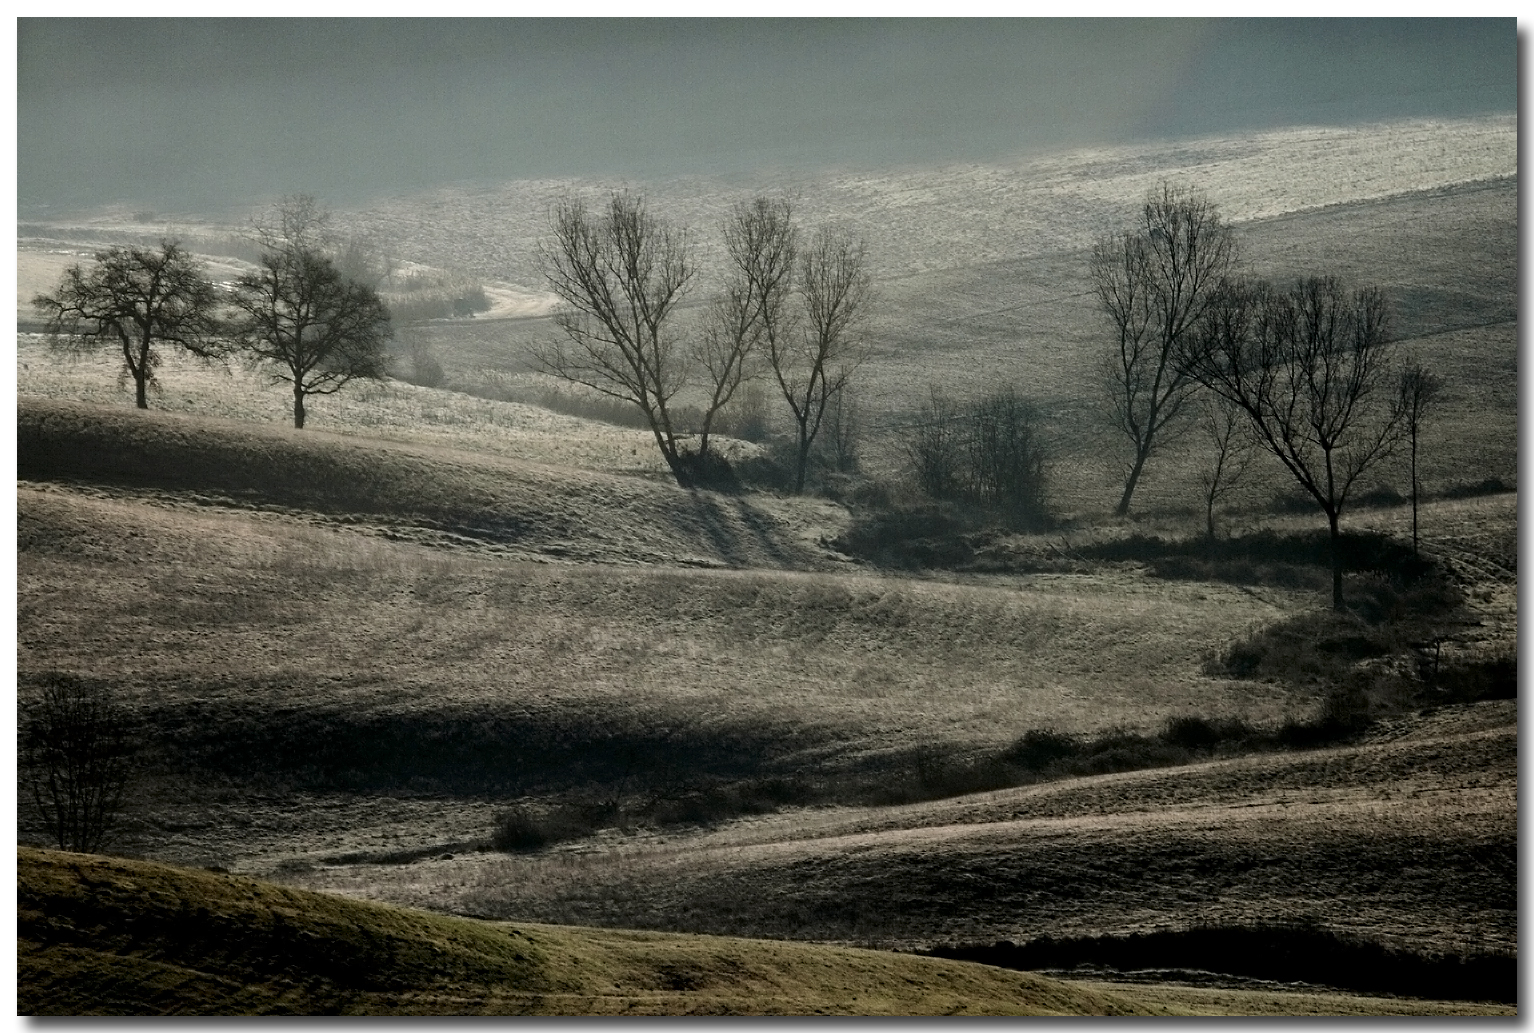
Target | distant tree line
(1303,373)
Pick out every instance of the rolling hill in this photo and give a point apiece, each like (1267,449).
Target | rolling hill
(362,655)
(110,936)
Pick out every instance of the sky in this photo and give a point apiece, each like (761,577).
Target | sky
(206,114)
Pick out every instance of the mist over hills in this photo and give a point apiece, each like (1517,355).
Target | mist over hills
(208,115)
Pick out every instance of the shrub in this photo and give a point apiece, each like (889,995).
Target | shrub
(77,746)
(1489,486)
(1038,749)
(522,828)
(709,470)
(989,453)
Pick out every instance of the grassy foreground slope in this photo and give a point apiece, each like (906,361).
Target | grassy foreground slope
(109,936)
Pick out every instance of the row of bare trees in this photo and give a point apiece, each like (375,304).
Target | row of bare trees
(788,307)
(310,314)
(1304,373)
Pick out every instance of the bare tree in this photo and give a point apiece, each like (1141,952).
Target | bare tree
(935,447)
(842,431)
(988,452)
(815,359)
(138,299)
(1007,456)
(1419,392)
(621,274)
(309,326)
(296,223)
(1227,430)
(301,223)
(1154,283)
(1306,366)
(76,752)
(761,243)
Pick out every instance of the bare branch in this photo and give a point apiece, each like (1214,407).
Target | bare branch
(1154,284)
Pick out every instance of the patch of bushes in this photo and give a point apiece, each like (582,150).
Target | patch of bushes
(1181,740)
(1489,486)
(710,470)
(916,535)
(1380,498)
(989,453)
(1285,953)
(525,827)
(1265,552)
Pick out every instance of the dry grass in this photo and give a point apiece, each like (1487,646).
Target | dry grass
(1410,839)
(875,663)
(360,641)
(171,941)
(442,496)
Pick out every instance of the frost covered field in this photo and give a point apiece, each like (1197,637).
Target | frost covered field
(982,279)
(924,220)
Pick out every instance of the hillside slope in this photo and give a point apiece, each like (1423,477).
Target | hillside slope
(1410,838)
(440,496)
(108,936)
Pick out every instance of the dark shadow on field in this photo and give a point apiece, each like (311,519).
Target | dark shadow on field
(1299,952)
(491,750)
(724,534)
(1068,883)
(254,466)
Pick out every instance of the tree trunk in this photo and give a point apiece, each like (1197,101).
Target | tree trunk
(1414,492)
(804,460)
(1129,485)
(1331,517)
(669,453)
(298,407)
(139,367)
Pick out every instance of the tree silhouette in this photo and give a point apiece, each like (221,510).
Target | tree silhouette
(309,326)
(1306,365)
(138,299)
(1154,283)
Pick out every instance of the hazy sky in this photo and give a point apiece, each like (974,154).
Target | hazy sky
(193,114)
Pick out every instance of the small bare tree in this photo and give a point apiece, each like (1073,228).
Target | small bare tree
(1228,432)
(761,244)
(817,358)
(301,223)
(296,223)
(77,747)
(988,452)
(139,299)
(1419,392)
(621,274)
(1007,456)
(1154,283)
(841,438)
(934,447)
(1306,366)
